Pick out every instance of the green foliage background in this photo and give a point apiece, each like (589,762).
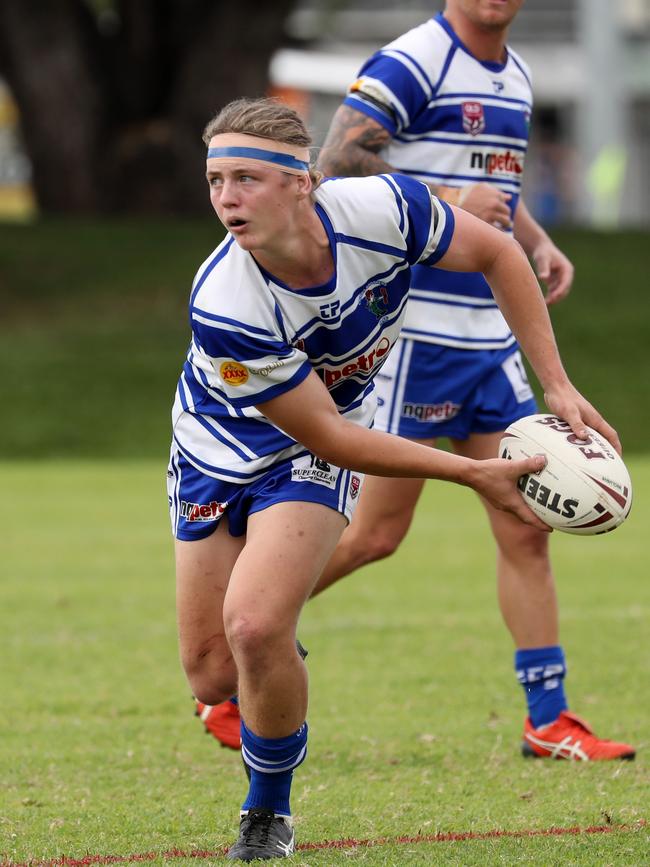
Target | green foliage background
(94,331)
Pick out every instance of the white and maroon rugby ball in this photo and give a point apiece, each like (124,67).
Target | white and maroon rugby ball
(584,488)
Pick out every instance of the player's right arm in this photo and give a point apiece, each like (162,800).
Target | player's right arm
(308,414)
(352,146)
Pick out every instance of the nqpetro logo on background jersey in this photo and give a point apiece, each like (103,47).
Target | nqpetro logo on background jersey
(233,373)
(473,117)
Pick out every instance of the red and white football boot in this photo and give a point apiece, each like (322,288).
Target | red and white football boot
(569,737)
(221,721)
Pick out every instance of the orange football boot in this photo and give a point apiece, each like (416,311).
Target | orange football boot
(221,721)
(569,737)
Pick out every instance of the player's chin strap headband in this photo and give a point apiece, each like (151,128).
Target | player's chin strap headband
(234,147)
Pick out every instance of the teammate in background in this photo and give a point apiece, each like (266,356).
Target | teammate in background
(292,316)
(449,103)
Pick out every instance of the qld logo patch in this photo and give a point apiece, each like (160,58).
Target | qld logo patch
(233,373)
(473,117)
(355,486)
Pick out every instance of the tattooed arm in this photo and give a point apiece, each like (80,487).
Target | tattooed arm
(352,146)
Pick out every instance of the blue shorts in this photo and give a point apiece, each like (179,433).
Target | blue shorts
(198,501)
(427,391)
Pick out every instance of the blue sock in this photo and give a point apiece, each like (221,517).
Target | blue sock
(541,670)
(271,762)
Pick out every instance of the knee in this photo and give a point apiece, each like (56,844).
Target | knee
(522,542)
(381,542)
(212,677)
(252,637)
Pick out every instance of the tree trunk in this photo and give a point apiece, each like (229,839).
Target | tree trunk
(46,56)
(113,105)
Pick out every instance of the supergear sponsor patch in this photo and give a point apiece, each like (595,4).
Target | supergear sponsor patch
(309,468)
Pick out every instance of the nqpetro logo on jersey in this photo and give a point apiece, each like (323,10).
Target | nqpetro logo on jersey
(501,163)
(363,363)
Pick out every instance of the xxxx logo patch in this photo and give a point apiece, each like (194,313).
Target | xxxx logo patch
(233,373)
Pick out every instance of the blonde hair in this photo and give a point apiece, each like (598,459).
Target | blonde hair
(265,118)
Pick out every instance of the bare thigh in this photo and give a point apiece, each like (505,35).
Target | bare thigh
(203,570)
(511,534)
(286,548)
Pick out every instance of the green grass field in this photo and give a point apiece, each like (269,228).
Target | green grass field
(415,714)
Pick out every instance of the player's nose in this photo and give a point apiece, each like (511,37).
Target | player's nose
(228,193)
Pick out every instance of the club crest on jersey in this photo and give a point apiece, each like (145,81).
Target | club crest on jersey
(233,373)
(376,298)
(473,117)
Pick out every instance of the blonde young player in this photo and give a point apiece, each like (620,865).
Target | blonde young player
(449,103)
(292,316)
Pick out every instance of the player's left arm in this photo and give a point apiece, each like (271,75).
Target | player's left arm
(553,268)
(476,246)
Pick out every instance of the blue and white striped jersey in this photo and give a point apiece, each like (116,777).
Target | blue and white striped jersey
(254,338)
(455,121)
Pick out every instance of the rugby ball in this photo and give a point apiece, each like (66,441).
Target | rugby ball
(584,488)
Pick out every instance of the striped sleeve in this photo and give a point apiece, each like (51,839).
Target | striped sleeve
(392,89)
(427,223)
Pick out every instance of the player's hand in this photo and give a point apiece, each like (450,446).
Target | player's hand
(567,403)
(488,203)
(553,269)
(496,480)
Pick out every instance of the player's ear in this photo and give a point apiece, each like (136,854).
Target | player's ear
(305,185)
